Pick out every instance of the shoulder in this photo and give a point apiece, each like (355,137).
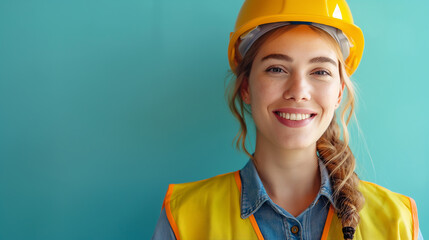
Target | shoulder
(192,191)
(202,199)
(378,195)
(387,209)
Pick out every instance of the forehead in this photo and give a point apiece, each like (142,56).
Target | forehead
(299,42)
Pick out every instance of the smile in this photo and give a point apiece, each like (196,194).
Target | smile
(294,116)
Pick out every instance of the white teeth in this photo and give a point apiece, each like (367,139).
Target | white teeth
(294,116)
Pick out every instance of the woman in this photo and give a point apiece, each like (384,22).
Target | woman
(292,60)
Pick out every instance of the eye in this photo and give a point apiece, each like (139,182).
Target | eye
(275,70)
(322,73)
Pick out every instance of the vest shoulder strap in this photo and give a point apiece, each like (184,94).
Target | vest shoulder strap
(385,215)
(385,210)
(208,209)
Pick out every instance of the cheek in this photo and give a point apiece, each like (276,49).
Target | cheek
(265,87)
(328,98)
(264,93)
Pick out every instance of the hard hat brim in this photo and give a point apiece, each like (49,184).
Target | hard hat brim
(353,33)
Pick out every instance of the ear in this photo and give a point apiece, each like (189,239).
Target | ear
(340,95)
(244,91)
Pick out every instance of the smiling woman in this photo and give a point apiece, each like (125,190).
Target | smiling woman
(299,77)
(291,74)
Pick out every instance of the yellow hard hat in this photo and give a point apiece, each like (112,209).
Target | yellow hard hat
(335,13)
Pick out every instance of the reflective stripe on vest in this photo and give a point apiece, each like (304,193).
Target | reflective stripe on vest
(210,209)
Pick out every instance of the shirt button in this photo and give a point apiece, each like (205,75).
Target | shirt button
(294,229)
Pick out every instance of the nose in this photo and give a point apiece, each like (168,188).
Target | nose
(297,88)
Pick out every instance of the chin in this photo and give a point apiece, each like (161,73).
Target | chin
(296,144)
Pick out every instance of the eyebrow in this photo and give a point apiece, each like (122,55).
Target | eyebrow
(323,60)
(283,57)
(277,56)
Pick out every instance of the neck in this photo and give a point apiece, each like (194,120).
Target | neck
(291,177)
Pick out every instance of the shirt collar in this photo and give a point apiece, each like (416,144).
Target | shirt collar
(253,193)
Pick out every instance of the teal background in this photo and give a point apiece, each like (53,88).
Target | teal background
(104,103)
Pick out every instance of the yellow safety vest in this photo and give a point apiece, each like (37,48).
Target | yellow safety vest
(210,209)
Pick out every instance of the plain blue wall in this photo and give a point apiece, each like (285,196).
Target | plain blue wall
(104,103)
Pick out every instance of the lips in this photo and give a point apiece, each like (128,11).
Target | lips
(294,117)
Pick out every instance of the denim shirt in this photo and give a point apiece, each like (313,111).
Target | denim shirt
(273,221)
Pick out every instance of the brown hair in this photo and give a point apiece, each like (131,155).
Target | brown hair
(334,151)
